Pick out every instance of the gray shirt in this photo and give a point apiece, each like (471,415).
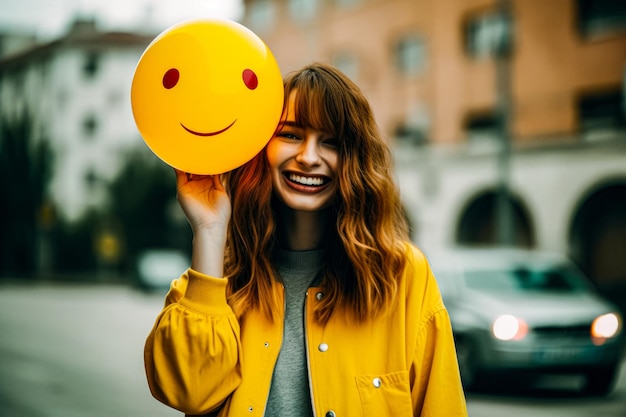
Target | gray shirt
(289,393)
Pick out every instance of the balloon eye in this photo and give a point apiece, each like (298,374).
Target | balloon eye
(170,79)
(250,79)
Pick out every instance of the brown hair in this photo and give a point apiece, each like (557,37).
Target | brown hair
(366,251)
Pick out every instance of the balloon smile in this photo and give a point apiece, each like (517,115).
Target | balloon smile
(208,133)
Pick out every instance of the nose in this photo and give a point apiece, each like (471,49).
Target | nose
(309,152)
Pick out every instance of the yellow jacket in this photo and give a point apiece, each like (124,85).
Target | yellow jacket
(199,358)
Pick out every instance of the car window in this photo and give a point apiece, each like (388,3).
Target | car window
(556,279)
(448,282)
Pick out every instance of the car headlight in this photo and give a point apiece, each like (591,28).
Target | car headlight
(508,327)
(604,327)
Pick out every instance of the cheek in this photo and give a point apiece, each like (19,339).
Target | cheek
(272,153)
(333,162)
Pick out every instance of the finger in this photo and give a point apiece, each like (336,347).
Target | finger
(181,177)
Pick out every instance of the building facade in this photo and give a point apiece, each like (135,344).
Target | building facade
(76,90)
(487,104)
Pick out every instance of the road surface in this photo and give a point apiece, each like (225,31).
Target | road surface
(76,351)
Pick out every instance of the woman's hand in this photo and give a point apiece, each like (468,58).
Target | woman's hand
(203,200)
(207,208)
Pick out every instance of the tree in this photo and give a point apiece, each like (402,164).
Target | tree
(143,200)
(25,173)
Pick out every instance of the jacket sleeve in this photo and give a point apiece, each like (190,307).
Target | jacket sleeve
(192,354)
(437,389)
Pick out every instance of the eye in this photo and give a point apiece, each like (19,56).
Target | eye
(250,79)
(288,135)
(170,79)
(331,142)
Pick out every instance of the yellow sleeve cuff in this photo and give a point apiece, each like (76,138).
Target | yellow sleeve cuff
(206,294)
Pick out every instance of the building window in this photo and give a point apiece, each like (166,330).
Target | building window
(599,16)
(413,128)
(91,178)
(408,134)
(261,15)
(303,10)
(348,64)
(482,128)
(487,35)
(602,113)
(91,64)
(90,126)
(410,55)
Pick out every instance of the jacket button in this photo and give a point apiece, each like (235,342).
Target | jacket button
(323,347)
(331,413)
(319,296)
(376,382)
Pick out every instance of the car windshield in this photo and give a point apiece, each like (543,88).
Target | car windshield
(555,279)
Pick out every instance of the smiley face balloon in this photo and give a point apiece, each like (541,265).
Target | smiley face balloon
(206,96)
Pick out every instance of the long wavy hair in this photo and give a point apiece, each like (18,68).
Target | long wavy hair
(368,230)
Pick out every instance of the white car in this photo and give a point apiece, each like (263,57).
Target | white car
(157,268)
(524,312)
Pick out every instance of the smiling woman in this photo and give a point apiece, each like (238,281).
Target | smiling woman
(303,162)
(299,255)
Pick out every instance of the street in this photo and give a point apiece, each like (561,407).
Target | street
(76,351)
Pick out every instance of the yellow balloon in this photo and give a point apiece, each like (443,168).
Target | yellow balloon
(207,95)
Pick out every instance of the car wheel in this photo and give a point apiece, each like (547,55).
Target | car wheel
(466,356)
(600,381)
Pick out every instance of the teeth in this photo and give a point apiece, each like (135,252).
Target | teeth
(306,180)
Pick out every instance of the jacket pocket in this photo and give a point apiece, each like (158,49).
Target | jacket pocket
(385,395)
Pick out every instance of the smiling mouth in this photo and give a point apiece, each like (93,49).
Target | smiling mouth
(306,183)
(193,132)
(314,181)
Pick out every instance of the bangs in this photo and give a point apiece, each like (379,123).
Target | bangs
(317,104)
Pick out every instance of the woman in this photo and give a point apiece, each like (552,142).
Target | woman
(325,308)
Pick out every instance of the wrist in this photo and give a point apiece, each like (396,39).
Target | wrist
(208,247)
(210,232)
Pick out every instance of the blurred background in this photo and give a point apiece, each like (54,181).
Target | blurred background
(507,119)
